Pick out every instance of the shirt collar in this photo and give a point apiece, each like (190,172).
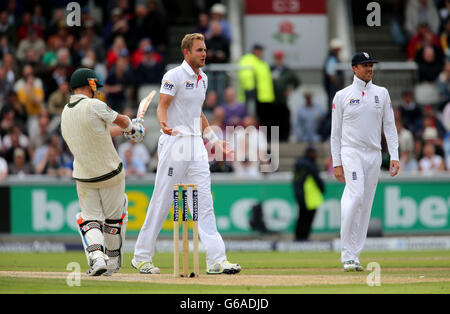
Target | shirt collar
(360,84)
(189,70)
(76,97)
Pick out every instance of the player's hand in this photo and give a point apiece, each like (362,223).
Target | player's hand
(137,132)
(166,130)
(394,167)
(223,147)
(339,174)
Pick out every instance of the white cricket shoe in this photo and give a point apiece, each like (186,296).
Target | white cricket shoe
(224,267)
(145,267)
(349,266)
(98,267)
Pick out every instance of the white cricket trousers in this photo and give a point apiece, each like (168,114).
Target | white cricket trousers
(181,159)
(361,171)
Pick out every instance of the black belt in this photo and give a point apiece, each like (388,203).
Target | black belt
(103,177)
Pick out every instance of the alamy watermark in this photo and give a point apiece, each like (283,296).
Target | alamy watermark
(374,278)
(374,17)
(246,145)
(73,279)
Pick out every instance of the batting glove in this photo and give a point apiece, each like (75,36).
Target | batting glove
(137,132)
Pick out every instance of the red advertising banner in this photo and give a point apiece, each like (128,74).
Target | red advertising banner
(285,7)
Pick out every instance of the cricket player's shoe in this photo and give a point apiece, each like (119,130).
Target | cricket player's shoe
(224,267)
(349,266)
(98,267)
(145,267)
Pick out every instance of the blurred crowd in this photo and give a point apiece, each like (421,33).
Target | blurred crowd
(127,43)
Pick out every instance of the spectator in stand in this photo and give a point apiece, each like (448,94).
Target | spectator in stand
(217,44)
(116,16)
(6,46)
(150,70)
(285,81)
(218,120)
(15,139)
(19,166)
(30,92)
(405,137)
(138,54)
(333,79)
(7,121)
(307,122)
(235,112)
(257,86)
(122,29)
(5,87)
(26,26)
(20,113)
(156,27)
(32,41)
(446,117)
(3,169)
(445,37)
(250,144)
(8,28)
(211,102)
(430,119)
(51,165)
(410,112)
(40,138)
(119,46)
(218,51)
(218,12)
(133,166)
(119,79)
(58,99)
(11,68)
(430,61)
(53,140)
(422,37)
(138,151)
(95,41)
(408,162)
(202,25)
(431,163)
(421,11)
(50,58)
(443,85)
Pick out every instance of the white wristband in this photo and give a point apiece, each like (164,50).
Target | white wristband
(211,136)
(128,128)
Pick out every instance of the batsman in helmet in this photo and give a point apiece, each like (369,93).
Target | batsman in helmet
(87,127)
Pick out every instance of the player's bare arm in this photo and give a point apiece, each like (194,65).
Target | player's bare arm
(161,113)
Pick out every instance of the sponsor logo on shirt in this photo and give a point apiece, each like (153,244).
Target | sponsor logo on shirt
(354,101)
(170,173)
(167,85)
(377,100)
(189,85)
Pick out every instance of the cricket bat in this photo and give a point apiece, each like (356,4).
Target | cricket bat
(143,105)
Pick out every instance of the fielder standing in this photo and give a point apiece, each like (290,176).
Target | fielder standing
(359,113)
(98,171)
(182,158)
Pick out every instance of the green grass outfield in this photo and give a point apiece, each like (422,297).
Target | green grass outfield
(263,272)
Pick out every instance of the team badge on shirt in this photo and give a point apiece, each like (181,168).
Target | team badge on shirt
(167,85)
(354,101)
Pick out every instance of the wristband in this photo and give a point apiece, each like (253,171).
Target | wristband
(211,136)
(129,127)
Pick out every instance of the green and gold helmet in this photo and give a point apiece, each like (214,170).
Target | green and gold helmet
(84,76)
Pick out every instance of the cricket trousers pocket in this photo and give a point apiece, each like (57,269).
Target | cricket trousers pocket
(361,171)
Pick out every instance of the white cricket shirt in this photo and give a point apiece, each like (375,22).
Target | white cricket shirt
(188,90)
(359,113)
